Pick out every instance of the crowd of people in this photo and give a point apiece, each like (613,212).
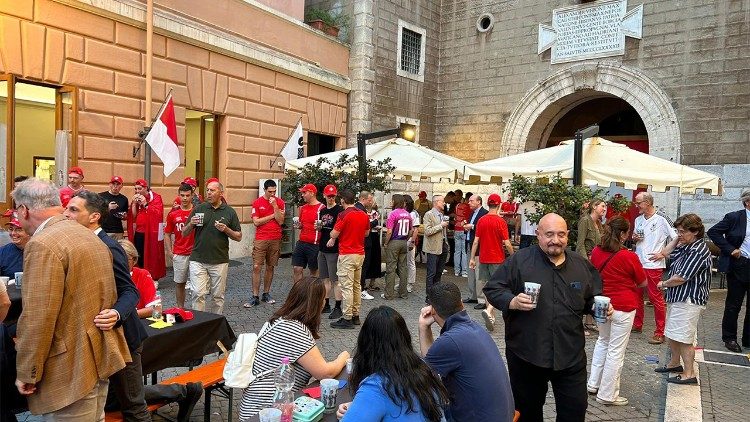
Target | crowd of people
(103,254)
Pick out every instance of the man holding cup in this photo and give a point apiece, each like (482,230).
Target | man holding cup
(117,204)
(268,216)
(543,332)
(145,229)
(306,250)
(435,241)
(214,223)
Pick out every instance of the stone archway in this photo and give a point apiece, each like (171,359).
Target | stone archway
(550,98)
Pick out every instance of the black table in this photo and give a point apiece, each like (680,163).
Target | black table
(15,304)
(185,341)
(344,396)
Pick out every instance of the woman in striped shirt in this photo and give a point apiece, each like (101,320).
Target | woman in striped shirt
(686,295)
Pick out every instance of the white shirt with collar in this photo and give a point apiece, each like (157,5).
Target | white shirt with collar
(745,247)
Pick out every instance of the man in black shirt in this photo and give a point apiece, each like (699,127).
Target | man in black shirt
(328,256)
(118,209)
(546,342)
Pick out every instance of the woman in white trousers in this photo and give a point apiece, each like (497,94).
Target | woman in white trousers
(622,277)
(411,253)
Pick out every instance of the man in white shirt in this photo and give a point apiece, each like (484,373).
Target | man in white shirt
(651,233)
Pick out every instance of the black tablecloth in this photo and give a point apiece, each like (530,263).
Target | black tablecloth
(185,341)
(15,304)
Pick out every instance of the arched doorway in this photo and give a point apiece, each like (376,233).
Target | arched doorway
(618,122)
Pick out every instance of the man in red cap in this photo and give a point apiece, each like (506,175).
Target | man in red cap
(117,204)
(11,255)
(179,246)
(305,253)
(492,233)
(75,185)
(195,197)
(422,205)
(328,255)
(268,216)
(145,229)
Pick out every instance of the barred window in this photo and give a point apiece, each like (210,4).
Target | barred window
(410,53)
(411,44)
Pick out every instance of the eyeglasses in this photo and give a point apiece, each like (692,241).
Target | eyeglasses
(14,229)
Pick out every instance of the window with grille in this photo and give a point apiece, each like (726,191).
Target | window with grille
(411,51)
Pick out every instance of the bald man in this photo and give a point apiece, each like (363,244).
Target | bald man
(545,341)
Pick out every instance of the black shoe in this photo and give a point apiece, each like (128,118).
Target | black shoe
(343,323)
(255,301)
(186,405)
(326,309)
(664,369)
(266,297)
(355,320)
(335,314)
(480,306)
(469,300)
(733,346)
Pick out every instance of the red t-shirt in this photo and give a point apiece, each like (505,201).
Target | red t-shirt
(67,193)
(509,207)
(491,231)
(352,225)
(307,216)
(620,277)
(271,230)
(463,212)
(145,285)
(176,220)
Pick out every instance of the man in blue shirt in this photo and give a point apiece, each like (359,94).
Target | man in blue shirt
(466,358)
(11,255)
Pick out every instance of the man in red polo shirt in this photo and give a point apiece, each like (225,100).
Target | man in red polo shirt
(509,212)
(492,233)
(75,185)
(351,228)
(181,246)
(306,250)
(268,216)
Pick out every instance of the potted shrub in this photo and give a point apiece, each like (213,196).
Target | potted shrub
(325,21)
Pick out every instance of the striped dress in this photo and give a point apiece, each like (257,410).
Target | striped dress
(693,263)
(285,338)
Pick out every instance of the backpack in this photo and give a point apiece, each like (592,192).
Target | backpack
(238,371)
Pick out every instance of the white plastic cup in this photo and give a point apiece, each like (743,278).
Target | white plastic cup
(295,221)
(200,216)
(270,414)
(601,306)
(532,290)
(349,364)
(446,218)
(329,388)
(4,280)
(19,279)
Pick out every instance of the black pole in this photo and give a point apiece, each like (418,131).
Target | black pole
(362,152)
(578,158)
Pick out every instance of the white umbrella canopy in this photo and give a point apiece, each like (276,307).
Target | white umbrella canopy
(412,161)
(604,162)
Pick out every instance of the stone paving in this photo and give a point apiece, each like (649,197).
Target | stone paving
(724,397)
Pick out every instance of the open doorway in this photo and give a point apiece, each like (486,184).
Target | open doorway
(200,146)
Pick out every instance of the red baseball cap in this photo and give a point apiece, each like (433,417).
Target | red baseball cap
(142,182)
(10,212)
(76,170)
(190,181)
(309,188)
(211,180)
(423,194)
(494,199)
(330,190)
(13,222)
(116,179)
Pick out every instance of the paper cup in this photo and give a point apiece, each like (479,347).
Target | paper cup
(270,414)
(532,289)
(601,306)
(329,388)
(349,363)
(19,280)
(200,216)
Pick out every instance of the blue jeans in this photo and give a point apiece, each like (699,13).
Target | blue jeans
(460,265)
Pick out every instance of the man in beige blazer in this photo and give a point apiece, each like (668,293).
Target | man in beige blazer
(435,242)
(64,360)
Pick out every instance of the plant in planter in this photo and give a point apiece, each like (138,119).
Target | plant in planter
(325,21)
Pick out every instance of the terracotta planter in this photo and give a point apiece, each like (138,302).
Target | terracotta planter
(331,30)
(317,24)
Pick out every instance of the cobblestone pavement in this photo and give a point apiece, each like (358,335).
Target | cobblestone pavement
(723,398)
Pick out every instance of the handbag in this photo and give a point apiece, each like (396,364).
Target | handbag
(238,371)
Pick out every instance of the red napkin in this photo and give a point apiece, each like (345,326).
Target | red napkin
(313,392)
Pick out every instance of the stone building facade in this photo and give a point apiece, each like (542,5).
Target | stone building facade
(252,83)
(488,92)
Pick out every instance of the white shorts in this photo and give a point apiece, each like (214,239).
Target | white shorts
(180,265)
(682,322)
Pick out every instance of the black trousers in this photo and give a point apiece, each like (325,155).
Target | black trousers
(139,241)
(529,385)
(738,290)
(435,266)
(365,267)
(126,390)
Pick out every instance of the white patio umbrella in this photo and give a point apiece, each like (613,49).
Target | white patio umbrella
(411,160)
(604,162)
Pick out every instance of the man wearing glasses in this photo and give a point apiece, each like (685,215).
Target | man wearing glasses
(11,255)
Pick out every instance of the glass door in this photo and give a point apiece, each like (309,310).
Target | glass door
(7,120)
(66,133)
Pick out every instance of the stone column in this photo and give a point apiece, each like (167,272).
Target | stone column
(361,70)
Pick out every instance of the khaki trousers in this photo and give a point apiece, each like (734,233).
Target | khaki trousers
(350,271)
(89,408)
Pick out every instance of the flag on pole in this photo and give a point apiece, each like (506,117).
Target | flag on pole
(163,137)
(293,148)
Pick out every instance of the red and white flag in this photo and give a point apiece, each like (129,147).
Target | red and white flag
(163,138)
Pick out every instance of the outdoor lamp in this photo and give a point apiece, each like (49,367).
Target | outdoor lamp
(407,131)
(404,130)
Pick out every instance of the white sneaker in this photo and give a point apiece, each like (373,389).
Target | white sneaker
(620,401)
(592,390)
(489,320)
(409,288)
(366,296)
(445,271)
